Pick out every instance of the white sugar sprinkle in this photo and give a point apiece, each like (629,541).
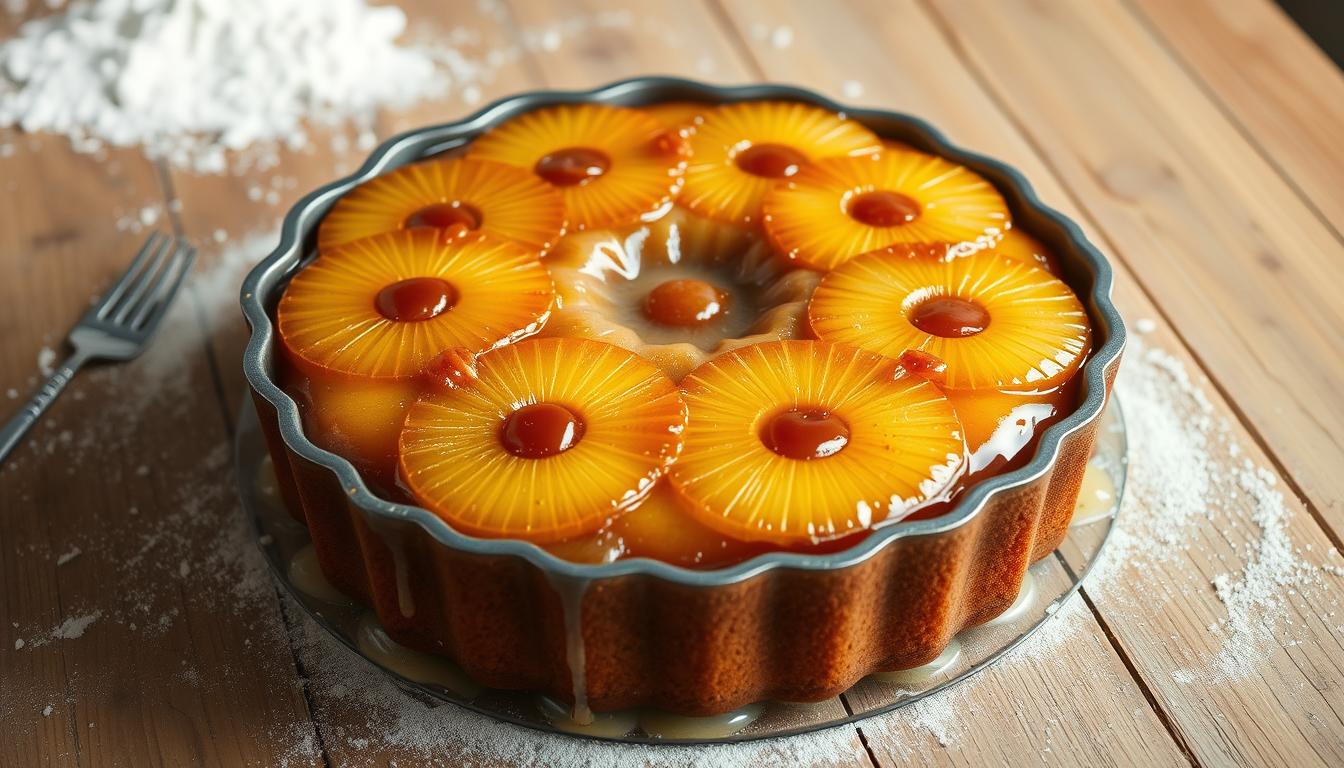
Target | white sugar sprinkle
(189,79)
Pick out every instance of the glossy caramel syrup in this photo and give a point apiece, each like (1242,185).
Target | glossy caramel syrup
(883,208)
(415,299)
(572,166)
(949,317)
(361,420)
(770,161)
(685,302)
(661,302)
(540,430)
(805,433)
(453,218)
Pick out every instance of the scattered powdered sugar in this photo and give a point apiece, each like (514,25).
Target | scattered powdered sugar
(72,628)
(1190,493)
(389,719)
(68,556)
(46,361)
(190,79)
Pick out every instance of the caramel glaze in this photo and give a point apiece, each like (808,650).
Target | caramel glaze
(685,303)
(883,208)
(949,317)
(540,430)
(805,433)
(415,299)
(362,422)
(453,218)
(770,161)
(573,166)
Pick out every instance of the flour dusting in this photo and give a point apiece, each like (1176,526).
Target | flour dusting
(1188,481)
(189,80)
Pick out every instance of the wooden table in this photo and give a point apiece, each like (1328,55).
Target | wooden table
(1198,143)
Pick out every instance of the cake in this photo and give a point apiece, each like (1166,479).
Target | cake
(675,341)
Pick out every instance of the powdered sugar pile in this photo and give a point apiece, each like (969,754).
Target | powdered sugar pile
(190,79)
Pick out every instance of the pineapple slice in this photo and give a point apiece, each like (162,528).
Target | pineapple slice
(995,321)
(611,165)
(1023,247)
(387,305)
(740,151)
(455,196)
(836,209)
(552,438)
(661,528)
(799,442)
(681,115)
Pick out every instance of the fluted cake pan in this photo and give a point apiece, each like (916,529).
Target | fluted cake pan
(644,633)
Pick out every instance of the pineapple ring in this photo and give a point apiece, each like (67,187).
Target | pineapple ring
(681,115)
(606,281)
(774,139)
(340,313)
(458,194)
(996,321)
(884,442)
(1022,246)
(611,165)
(464,455)
(836,209)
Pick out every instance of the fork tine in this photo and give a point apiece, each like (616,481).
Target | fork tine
(119,288)
(138,289)
(160,297)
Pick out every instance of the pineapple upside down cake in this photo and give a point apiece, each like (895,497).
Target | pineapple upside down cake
(687,332)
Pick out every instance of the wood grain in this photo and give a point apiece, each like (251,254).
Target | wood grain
(1283,92)
(878,37)
(1242,269)
(106,653)
(1209,170)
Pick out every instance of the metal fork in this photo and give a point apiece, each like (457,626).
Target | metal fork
(117,328)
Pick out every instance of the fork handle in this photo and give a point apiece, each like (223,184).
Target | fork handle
(14,430)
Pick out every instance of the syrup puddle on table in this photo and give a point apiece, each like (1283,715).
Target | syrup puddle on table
(412,664)
(664,725)
(267,484)
(1096,496)
(610,725)
(305,573)
(920,674)
(653,722)
(1026,595)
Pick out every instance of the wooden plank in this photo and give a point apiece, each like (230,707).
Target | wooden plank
(247,210)
(1020,708)
(1281,90)
(932,81)
(1239,265)
(123,638)
(720,62)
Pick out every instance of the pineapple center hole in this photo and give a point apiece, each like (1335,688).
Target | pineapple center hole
(539,430)
(950,317)
(573,165)
(455,217)
(770,161)
(416,299)
(805,433)
(883,208)
(685,303)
